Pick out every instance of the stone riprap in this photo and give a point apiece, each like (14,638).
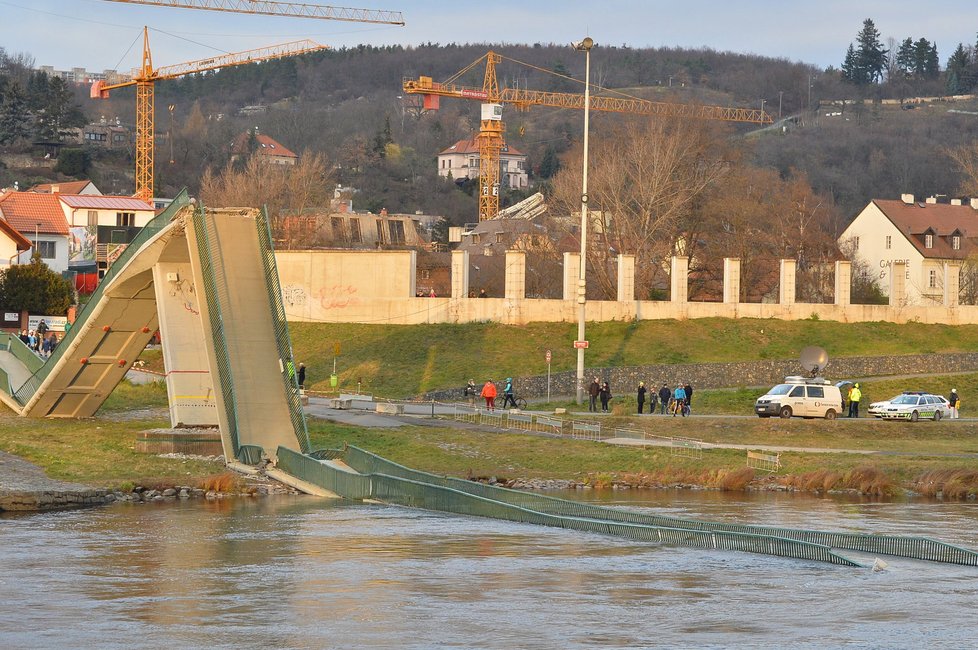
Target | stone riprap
(732,375)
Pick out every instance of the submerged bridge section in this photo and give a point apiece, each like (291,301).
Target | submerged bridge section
(207,280)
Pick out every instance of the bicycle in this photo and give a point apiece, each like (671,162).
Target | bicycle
(678,407)
(518,401)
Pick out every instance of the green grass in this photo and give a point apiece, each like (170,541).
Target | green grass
(406,360)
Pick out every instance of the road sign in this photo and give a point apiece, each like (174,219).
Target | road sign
(578,345)
(336,349)
(549,356)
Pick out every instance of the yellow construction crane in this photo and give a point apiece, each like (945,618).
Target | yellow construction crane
(272,8)
(491,128)
(146,76)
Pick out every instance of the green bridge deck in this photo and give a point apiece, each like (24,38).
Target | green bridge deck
(373,477)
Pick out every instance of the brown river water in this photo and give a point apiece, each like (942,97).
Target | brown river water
(296,572)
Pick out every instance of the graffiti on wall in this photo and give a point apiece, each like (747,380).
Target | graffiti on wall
(335,297)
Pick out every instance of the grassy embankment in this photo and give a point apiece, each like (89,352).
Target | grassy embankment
(405,360)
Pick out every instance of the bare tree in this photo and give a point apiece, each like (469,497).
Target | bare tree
(646,179)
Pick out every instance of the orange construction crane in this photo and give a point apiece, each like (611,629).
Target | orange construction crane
(146,76)
(272,8)
(491,129)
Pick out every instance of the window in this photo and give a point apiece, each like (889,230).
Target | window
(424,274)
(889,242)
(797,391)
(339,232)
(118,137)
(928,241)
(932,279)
(500,237)
(816,391)
(381,232)
(46,249)
(93,217)
(956,242)
(855,243)
(397,232)
(476,238)
(355,231)
(125,219)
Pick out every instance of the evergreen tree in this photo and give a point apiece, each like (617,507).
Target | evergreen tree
(957,71)
(550,164)
(15,120)
(849,65)
(906,57)
(870,55)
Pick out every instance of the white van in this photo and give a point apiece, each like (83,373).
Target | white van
(802,397)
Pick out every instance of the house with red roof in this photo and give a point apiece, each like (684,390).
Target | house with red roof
(268,150)
(40,219)
(461,161)
(925,235)
(67,187)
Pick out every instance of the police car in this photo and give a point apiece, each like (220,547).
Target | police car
(913,405)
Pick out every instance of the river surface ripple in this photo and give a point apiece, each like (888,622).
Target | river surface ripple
(296,572)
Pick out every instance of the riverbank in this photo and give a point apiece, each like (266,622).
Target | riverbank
(96,458)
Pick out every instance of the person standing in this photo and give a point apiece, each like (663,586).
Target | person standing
(689,393)
(641,397)
(593,391)
(664,395)
(489,394)
(470,391)
(42,329)
(301,376)
(605,393)
(508,396)
(953,400)
(854,396)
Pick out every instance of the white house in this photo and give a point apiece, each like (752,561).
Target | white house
(461,160)
(102,226)
(39,218)
(924,235)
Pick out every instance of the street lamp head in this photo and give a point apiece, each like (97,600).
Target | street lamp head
(583,46)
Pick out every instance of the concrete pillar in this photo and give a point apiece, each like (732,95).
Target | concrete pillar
(626,278)
(679,280)
(572,271)
(731,280)
(515,275)
(188,380)
(786,289)
(843,283)
(898,284)
(460,274)
(952,282)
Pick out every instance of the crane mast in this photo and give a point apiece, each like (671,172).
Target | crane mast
(491,131)
(276,8)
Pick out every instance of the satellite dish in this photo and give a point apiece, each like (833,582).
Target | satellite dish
(814,359)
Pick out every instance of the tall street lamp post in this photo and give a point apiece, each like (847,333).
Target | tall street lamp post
(584,46)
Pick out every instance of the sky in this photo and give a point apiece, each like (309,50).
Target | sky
(99,34)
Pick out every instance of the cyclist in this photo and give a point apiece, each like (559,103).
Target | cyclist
(679,401)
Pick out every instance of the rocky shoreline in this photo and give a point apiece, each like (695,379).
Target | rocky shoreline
(25,488)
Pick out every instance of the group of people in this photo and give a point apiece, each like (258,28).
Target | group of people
(678,400)
(489,393)
(599,391)
(41,340)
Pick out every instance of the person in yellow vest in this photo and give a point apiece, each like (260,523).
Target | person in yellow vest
(854,396)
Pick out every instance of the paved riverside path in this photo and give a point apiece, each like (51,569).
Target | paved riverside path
(421,412)
(24,486)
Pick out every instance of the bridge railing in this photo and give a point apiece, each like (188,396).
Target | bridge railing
(27,390)
(215,294)
(281,326)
